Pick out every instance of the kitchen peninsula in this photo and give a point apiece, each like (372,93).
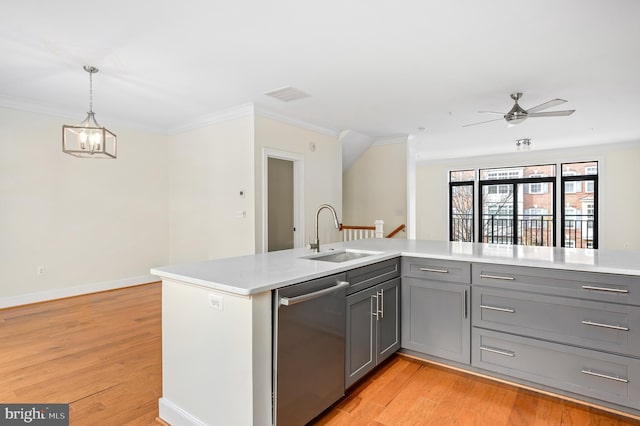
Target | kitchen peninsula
(217,321)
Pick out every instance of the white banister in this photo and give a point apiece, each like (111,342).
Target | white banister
(350,233)
(379,228)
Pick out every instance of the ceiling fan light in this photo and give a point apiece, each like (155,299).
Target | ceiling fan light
(515,120)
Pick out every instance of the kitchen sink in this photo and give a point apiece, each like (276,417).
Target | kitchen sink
(341,256)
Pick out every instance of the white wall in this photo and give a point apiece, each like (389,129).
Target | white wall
(619,198)
(322,172)
(208,168)
(375,187)
(91,224)
(101,224)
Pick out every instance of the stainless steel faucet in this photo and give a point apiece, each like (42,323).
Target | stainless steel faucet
(315,245)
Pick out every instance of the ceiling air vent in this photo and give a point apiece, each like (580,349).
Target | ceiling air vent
(287,94)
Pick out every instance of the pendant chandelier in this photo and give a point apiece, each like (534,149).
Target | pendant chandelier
(88,139)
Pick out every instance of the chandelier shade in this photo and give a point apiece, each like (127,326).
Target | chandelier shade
(88,139)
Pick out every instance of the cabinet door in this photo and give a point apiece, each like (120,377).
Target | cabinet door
(388,320)
(435,318)
(361,335)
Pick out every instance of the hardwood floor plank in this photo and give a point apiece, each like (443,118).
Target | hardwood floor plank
(433,395)
(102,354)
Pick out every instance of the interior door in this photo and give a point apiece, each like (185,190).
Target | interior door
(280,216)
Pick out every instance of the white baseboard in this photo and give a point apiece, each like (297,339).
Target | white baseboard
(43,296)
(174,415)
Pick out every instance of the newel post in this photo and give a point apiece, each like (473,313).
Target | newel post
(379,228)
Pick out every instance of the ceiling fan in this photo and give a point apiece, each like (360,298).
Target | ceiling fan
(517,114)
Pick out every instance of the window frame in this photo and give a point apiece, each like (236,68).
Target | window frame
(571,176)
(550,181)
(582,181)
(452,184)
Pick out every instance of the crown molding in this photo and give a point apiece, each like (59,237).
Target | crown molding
(391,140)
(239,111)
(72,117)
(268,113)
(21,105)
(573,153)
(232,113)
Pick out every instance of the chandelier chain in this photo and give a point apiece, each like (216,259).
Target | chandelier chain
(90,91)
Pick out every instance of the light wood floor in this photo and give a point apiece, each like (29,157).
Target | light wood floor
(101,353)
(409,392)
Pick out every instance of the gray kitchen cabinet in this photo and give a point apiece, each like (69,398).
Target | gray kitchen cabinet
(435,308)
(373,328)
(370,275)
(582,371)
(573,331)
(589,323)
(623,289)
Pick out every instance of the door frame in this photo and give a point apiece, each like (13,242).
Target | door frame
(298,195)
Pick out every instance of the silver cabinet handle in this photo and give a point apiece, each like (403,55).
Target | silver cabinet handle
(464,303)
(497,351)
(288,301)
(440,271)
(608,289)
(377,311)
(381,311)
(606,376)
(496,277)
(599,324)
(495,308)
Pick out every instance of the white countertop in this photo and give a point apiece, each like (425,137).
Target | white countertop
(246,275)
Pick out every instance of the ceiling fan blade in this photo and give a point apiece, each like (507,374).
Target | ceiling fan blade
(552,113)
(548,104)
(482,122)
(494,112)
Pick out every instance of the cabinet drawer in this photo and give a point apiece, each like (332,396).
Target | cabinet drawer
(585,285)
(368,276)
(437,269)
(596,325)
(591,373)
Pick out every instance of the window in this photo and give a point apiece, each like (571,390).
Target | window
(519,206)
(489,174)
(570,215)
(461,185)
(589,208)
(536,212)
(580,200)
(571,187)
(538,187)
(508,197)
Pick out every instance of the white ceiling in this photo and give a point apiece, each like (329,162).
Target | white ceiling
(379,68)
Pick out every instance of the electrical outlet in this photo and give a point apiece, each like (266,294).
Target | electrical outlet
(215,302)
(40,270)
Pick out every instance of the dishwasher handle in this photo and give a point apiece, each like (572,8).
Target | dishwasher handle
(288,301)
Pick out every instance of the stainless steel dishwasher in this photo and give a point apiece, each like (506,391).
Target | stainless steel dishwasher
(308,348)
